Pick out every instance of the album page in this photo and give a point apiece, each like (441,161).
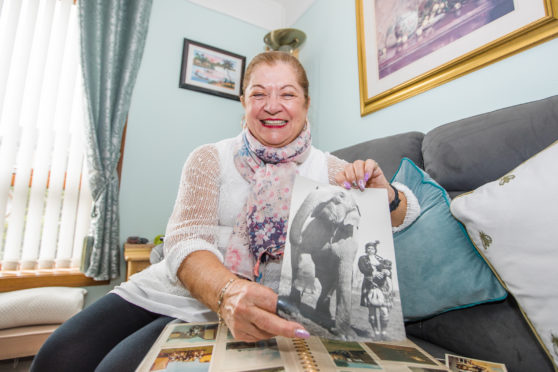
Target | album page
(339,275)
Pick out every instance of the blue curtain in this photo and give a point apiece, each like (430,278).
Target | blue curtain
(113,34)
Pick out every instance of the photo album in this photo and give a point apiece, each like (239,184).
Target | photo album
(338,279)
(210,347)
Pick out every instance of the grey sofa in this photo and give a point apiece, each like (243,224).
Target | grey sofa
(462,156)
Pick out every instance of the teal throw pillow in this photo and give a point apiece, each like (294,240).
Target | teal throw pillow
(438,267)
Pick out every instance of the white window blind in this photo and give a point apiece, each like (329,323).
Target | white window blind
(45,201)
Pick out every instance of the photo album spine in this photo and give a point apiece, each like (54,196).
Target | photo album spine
(306,360)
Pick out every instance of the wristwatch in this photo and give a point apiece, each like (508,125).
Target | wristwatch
(395,202)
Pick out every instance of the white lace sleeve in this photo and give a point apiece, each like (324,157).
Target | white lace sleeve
(193,224)
(336,165)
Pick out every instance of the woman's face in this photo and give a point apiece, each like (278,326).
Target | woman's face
(274,104)
(370,250)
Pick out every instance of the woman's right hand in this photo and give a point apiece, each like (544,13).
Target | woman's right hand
(249,310)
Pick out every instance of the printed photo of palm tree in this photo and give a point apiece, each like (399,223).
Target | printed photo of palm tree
(213,69)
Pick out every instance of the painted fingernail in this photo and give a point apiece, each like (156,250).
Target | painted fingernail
(347,185)
(302,333)
(366,176)
(361,184)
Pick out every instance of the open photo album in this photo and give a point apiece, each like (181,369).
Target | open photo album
(210,347)
(338,279)
(339,275)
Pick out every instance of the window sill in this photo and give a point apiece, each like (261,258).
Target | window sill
(14,280)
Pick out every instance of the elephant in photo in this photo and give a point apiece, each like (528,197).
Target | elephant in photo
(323,247)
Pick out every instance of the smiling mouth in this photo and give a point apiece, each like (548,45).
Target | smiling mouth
(274,123)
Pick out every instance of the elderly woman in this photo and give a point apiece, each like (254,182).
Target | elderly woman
(216,261)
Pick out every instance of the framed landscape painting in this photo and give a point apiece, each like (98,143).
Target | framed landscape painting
(408,46)
(211,70)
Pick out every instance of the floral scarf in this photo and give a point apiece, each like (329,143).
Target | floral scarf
(261,227)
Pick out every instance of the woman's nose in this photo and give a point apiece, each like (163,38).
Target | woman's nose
(272,104)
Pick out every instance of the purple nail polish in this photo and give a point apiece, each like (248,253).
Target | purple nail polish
(347,185)
(361,184)
(302,333)
(366,176)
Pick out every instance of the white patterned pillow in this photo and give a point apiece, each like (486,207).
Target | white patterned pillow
(47,305)
(513,223)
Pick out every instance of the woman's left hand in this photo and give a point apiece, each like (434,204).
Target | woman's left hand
(364,174)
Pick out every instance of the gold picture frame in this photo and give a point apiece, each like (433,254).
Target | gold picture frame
(388,74)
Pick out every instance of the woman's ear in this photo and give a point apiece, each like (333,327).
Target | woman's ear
(242,101)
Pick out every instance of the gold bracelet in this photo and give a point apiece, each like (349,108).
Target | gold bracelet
(221,296)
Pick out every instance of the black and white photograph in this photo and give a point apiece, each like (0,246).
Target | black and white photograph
(339,276)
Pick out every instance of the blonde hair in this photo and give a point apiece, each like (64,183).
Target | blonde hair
(273,57)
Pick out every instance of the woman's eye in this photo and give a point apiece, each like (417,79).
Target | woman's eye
(258,95)
(288,95)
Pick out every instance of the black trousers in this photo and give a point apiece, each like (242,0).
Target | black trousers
(109,335)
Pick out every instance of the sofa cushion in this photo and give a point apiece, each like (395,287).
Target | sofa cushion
(387,151)
(512,222)
(437,266)
(468,153)
(47,305)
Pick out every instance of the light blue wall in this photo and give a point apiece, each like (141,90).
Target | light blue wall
(166,123)
(330,56)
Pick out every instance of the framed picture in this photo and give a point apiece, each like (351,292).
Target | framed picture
(211,70)
(407,47)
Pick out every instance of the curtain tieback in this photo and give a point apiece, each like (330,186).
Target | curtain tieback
(102,190)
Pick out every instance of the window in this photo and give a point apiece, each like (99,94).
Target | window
(44,198)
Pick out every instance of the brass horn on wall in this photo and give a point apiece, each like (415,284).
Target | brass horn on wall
(285,39)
